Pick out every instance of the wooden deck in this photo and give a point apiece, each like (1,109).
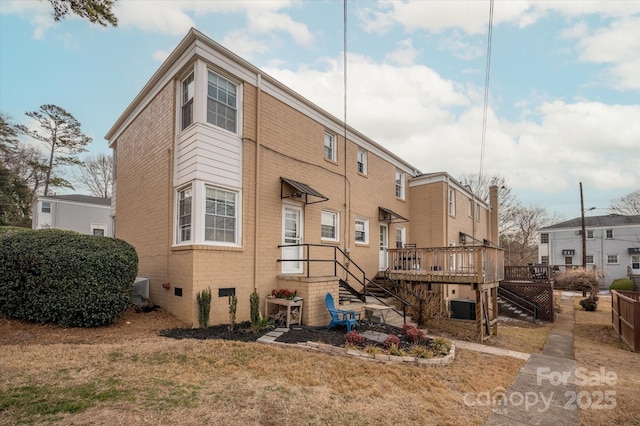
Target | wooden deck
(473,265)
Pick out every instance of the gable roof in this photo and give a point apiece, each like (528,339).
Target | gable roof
(597,221)
(78,198)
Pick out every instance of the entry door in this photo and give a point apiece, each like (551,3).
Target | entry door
(635,263)
(291,234)
(384,245)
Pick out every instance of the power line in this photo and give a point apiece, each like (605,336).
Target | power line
(486,91)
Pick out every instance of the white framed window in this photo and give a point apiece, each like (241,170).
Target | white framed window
(220,222)
(362,230)
(330,149)
(544,238)
(590,234)
(568,260)
(609,233)
(589,258)
(477,212)
(186,100)
(612,259)
(330,226)
(544,260)
(400,237)
(470,208)
(46,207)
(222,102)
(98,229)
(452,202)
(400,185)
(635,261)
(184,215)
(362,162)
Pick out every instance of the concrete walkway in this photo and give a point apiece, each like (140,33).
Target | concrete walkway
(544,391)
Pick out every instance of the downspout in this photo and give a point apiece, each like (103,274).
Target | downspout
(257,184)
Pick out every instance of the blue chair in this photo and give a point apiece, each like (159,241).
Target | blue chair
(339,316)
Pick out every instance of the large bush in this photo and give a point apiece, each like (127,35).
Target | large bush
(624,284)
(65,277)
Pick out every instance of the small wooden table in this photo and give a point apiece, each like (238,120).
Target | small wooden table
(380,310)
(297,302)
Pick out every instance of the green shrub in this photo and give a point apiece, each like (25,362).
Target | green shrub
(204,307)
(624,284)
(233,307)
(65,278)
(254,310)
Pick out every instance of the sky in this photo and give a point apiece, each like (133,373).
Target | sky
(563,95)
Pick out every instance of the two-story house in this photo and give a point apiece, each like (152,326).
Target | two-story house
(73,212)
(228,179)
(612,245)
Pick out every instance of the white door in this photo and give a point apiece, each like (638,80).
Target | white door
(635,263)
(291,234)
(384,245)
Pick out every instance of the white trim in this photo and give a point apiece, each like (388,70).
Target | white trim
(336,217)
(365,221)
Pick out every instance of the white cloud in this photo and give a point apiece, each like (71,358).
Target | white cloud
(404,54)
(39,13)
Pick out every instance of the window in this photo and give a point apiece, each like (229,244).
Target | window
(452,202)
(400,185)
(544,238)
(362,231)
(187,101)
(329,147)
(362,162)
(477,212)
(46,207)
(184,215)
(222,103)
(220,216)
(544,260)
(609,233)
(470,208)
(612,259)
(590,234)
(589,258)
(568,260)
(329,231)
(635,262)
(98,230)
(399,237)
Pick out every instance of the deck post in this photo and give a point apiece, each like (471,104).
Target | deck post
(479,327)
(494,303)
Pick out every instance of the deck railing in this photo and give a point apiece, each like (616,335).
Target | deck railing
(528,273)
(464,265)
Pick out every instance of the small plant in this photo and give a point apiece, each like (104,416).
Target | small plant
(372,349)
(254,305)
(284,293)
(624,284)
(354,338)
(440,346)
(233,306)
(204,307)
(413,334)
(420,351)
(396,351)
(391,340)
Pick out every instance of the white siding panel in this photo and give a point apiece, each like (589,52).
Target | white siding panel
(205,153)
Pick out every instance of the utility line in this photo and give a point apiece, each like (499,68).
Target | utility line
(486,92)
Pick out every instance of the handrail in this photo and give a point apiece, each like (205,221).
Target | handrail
(512,297)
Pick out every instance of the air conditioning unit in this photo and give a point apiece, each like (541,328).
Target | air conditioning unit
(463,309)
(140,290)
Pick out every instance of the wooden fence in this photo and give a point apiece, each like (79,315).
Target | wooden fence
(625,316)
(538,293)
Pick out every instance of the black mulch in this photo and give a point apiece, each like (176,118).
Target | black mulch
(297,334)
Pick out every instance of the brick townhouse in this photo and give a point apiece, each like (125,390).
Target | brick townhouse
(219,165)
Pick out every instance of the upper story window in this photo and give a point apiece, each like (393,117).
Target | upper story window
(400,233)
(362,162)
(477,212)
(590,234)
(184,215)
(362,231)
(589,259)
(452,202)
(329,226)
(220,216)
(609,233)
(187,101)
(544,260)
(222,103)
(400,185)
(330,147)
(612,259)
(46,207)
(544,238)
(470,208)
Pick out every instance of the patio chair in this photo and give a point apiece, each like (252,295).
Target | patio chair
(339,316)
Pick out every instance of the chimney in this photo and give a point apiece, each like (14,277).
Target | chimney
(493,221)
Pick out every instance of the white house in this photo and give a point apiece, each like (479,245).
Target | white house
(74,212)
(612,244)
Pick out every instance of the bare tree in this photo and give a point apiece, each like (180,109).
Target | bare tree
(627,205)
(96,173)
(96,11)
(61,133)
(521,241)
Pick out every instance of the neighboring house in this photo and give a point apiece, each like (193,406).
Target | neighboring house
(74,212)
(218,166)
(612,245)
